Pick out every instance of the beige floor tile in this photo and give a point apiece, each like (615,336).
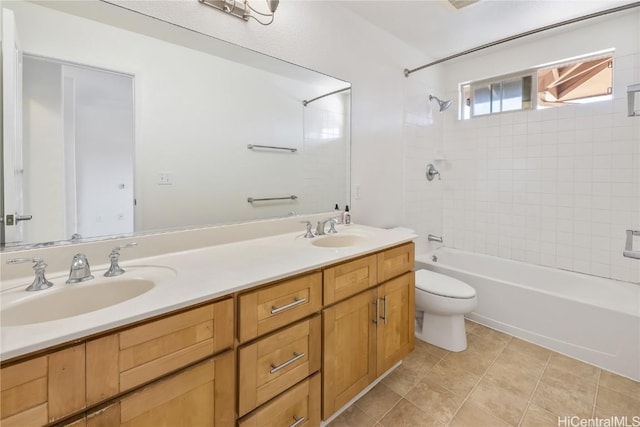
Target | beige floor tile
(469,325)
(488,345)
(378,401)
(565,395)
(491,397)
(453,377)
(405,414)
(473,360)
(538,417)
(561,365)
(529,349)
(610,403)
(438,403)
(490,334)
(353,417)
(420,361)
(422,346)
(470,415)
(402,379)
(620,384)
(516,379)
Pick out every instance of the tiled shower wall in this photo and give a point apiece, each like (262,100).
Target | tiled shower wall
(556,187)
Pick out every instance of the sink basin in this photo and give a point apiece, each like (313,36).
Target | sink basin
(338,241)
(72,300)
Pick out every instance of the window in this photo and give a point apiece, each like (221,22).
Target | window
(578,81)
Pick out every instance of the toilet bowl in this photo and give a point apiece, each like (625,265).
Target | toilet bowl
(441,303)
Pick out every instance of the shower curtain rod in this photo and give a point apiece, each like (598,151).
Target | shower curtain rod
(407,72)
(305,102)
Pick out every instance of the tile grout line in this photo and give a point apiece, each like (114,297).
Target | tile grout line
(466,398)
(595,397)
(535,389)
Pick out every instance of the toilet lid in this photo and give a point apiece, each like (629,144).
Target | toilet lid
(440,284)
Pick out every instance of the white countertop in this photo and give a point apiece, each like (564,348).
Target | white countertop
(183,279)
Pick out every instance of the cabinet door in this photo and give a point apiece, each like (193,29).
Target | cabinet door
(396,321)
(349,363)
(135,356)
(202,395)
(44,389)
(396,261)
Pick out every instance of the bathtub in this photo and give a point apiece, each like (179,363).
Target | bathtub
(589,318)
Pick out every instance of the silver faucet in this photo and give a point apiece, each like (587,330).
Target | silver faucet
(433,238)
(114,256)
(309,234)
(321,225)
(80,270)
(39,282)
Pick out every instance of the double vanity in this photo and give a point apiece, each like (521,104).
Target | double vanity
(278,330)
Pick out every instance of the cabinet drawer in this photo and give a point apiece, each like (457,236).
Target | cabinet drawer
(201,395)
(349,278)
(123,360)
(276,362)
(272,307)
(396,261)
(44,389)
(299,406)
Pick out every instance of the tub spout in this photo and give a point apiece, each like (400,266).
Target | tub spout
(433,238)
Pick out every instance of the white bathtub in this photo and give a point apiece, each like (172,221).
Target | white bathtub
(592,319)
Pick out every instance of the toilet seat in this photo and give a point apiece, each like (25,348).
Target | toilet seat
(442,285)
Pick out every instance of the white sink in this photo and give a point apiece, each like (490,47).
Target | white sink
(68,300)
(338,241)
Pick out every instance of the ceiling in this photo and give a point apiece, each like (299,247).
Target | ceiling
(438,29)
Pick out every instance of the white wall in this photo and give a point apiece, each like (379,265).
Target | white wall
(556,187)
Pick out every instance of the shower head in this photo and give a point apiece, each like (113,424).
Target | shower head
(273,5)
(443,104)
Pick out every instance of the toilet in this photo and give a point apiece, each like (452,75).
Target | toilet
(442,302)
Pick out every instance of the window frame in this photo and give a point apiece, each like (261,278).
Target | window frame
(532,73)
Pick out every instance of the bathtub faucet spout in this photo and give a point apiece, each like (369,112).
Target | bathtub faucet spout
(432,238)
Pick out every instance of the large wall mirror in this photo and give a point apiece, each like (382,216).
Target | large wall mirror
(116,123)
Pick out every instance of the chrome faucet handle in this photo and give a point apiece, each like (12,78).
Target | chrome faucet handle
(80,270)
(309,234)
(332,226)
(114,256)
(39,282)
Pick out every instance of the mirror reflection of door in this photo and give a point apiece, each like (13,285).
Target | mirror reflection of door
(11,200)
(79,139)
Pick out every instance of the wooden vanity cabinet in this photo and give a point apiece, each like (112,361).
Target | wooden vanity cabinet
(44,389)
(271,307)
(134,356)
(366,334)
(201,395)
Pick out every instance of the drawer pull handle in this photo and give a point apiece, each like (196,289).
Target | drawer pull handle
(297,301)
(385,309)
(297,422)
(296,356)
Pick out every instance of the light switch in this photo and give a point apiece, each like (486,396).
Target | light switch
(164,178)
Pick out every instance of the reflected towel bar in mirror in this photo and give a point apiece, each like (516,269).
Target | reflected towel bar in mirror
(271,147)
(251,199)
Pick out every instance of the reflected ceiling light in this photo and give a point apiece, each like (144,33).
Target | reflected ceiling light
(443,104)
(242,9)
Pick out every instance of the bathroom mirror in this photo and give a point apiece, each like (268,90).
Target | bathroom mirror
(126,124)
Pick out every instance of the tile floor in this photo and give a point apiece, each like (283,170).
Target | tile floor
(499,380)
